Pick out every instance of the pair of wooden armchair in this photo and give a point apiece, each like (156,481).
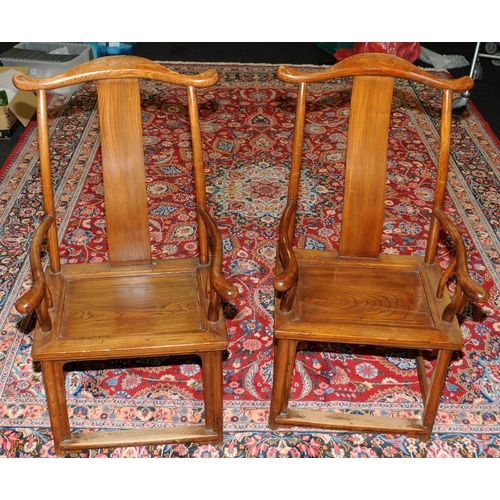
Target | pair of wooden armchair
(135,307)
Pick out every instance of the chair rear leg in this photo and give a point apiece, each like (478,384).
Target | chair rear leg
(284,362)
(53,380)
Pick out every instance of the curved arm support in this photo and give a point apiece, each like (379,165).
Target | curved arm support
(38,297)
(466,286)
(287,278)
(218,286)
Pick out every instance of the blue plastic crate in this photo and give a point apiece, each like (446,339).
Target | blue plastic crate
(100,49)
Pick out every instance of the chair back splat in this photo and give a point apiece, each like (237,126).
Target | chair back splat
(357,294)
(133,305)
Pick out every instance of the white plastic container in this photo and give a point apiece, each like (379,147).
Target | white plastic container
(46,59)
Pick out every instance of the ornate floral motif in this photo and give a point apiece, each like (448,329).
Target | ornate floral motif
(247,129)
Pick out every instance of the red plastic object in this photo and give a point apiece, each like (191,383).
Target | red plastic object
(407,50)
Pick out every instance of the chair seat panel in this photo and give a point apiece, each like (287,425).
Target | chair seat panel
(337,296)
(367,295)
(142,314)
(131,305)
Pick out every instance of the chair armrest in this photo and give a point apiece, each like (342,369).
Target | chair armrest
(474,291)
(39,291)
(220,284)
(287,278)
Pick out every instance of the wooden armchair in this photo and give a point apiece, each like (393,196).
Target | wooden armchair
(131,306)
(356,294)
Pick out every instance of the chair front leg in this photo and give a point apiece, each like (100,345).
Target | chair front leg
(284,363)
(212,389)
(53,380)
(435,389)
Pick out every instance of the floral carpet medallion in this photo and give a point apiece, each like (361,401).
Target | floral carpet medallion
(247,125)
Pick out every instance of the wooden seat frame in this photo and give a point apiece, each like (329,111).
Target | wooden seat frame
(357,295)
(132,306)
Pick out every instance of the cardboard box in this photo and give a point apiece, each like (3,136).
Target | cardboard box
(22,107)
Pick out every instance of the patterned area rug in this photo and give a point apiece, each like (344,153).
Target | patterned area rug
(247,126)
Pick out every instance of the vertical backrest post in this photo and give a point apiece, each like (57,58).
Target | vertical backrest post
(442,174)
(298,142)
(199,171)
(297,148)
(46,179)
